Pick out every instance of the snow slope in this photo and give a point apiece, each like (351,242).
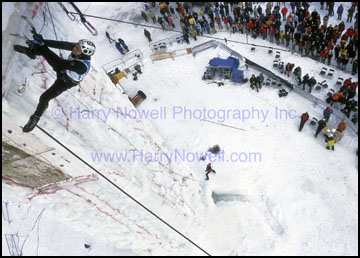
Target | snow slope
(286,203)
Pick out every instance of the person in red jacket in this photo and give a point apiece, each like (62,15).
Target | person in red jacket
(284,12)
(336,97)
(341,27)
(209,170)
(226,21)
(263,32)
(171,22)
(304,118)
(350,32)
(341,126)
(356,34)
(249,26)
(182,11)
(347,82)
(288,69)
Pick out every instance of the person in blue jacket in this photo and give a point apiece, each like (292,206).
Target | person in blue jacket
(118,47)
(123,44)
(327,113)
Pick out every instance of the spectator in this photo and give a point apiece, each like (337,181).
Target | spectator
(327,113)
(330,143)
(321,125)
(282,37)
(147,35)
(143,14)
(288,69)
(354,118)
(260,80)
(118,47)
(305,80)
(331,8)
(122,42)
(341,126)
(350,14)
(344,62)
(312,83)
(304,117)
(340,11)
(325,20)
(330,54)
(297,73)
(284,12)
(355,67)
(336,97)
(253,83)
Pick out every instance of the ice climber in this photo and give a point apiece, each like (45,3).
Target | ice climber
(69,72)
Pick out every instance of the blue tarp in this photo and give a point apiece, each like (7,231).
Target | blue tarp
(233,63)
(237,75)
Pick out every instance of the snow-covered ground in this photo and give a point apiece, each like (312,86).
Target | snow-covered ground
(276,191)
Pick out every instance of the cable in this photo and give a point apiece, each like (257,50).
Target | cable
(53,27)
(124,192)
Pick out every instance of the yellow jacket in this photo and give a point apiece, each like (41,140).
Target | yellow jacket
(343,51)
(268,23)
(331,143)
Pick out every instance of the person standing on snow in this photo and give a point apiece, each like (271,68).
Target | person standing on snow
(70,72)
(304,117)
(321,125)
(327,113)
(147,34)
(122,42)
(260,80)
(341,126)
(119,47)
(109,38)
(330,143)
(253,84)
(209,170)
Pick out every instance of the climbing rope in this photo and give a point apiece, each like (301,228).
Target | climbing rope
(123,191)
(52,21)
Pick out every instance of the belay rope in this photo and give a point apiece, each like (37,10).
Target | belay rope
(52,21)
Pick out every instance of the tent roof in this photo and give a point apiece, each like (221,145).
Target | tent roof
(230,62)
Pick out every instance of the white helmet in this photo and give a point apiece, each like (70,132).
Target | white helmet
(87,47)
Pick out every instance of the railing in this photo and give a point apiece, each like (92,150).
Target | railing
(163,43)
(117,63)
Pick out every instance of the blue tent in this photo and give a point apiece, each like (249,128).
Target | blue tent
(231,62)
(237,75)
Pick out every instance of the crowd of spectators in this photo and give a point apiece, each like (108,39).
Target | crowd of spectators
(297,28)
